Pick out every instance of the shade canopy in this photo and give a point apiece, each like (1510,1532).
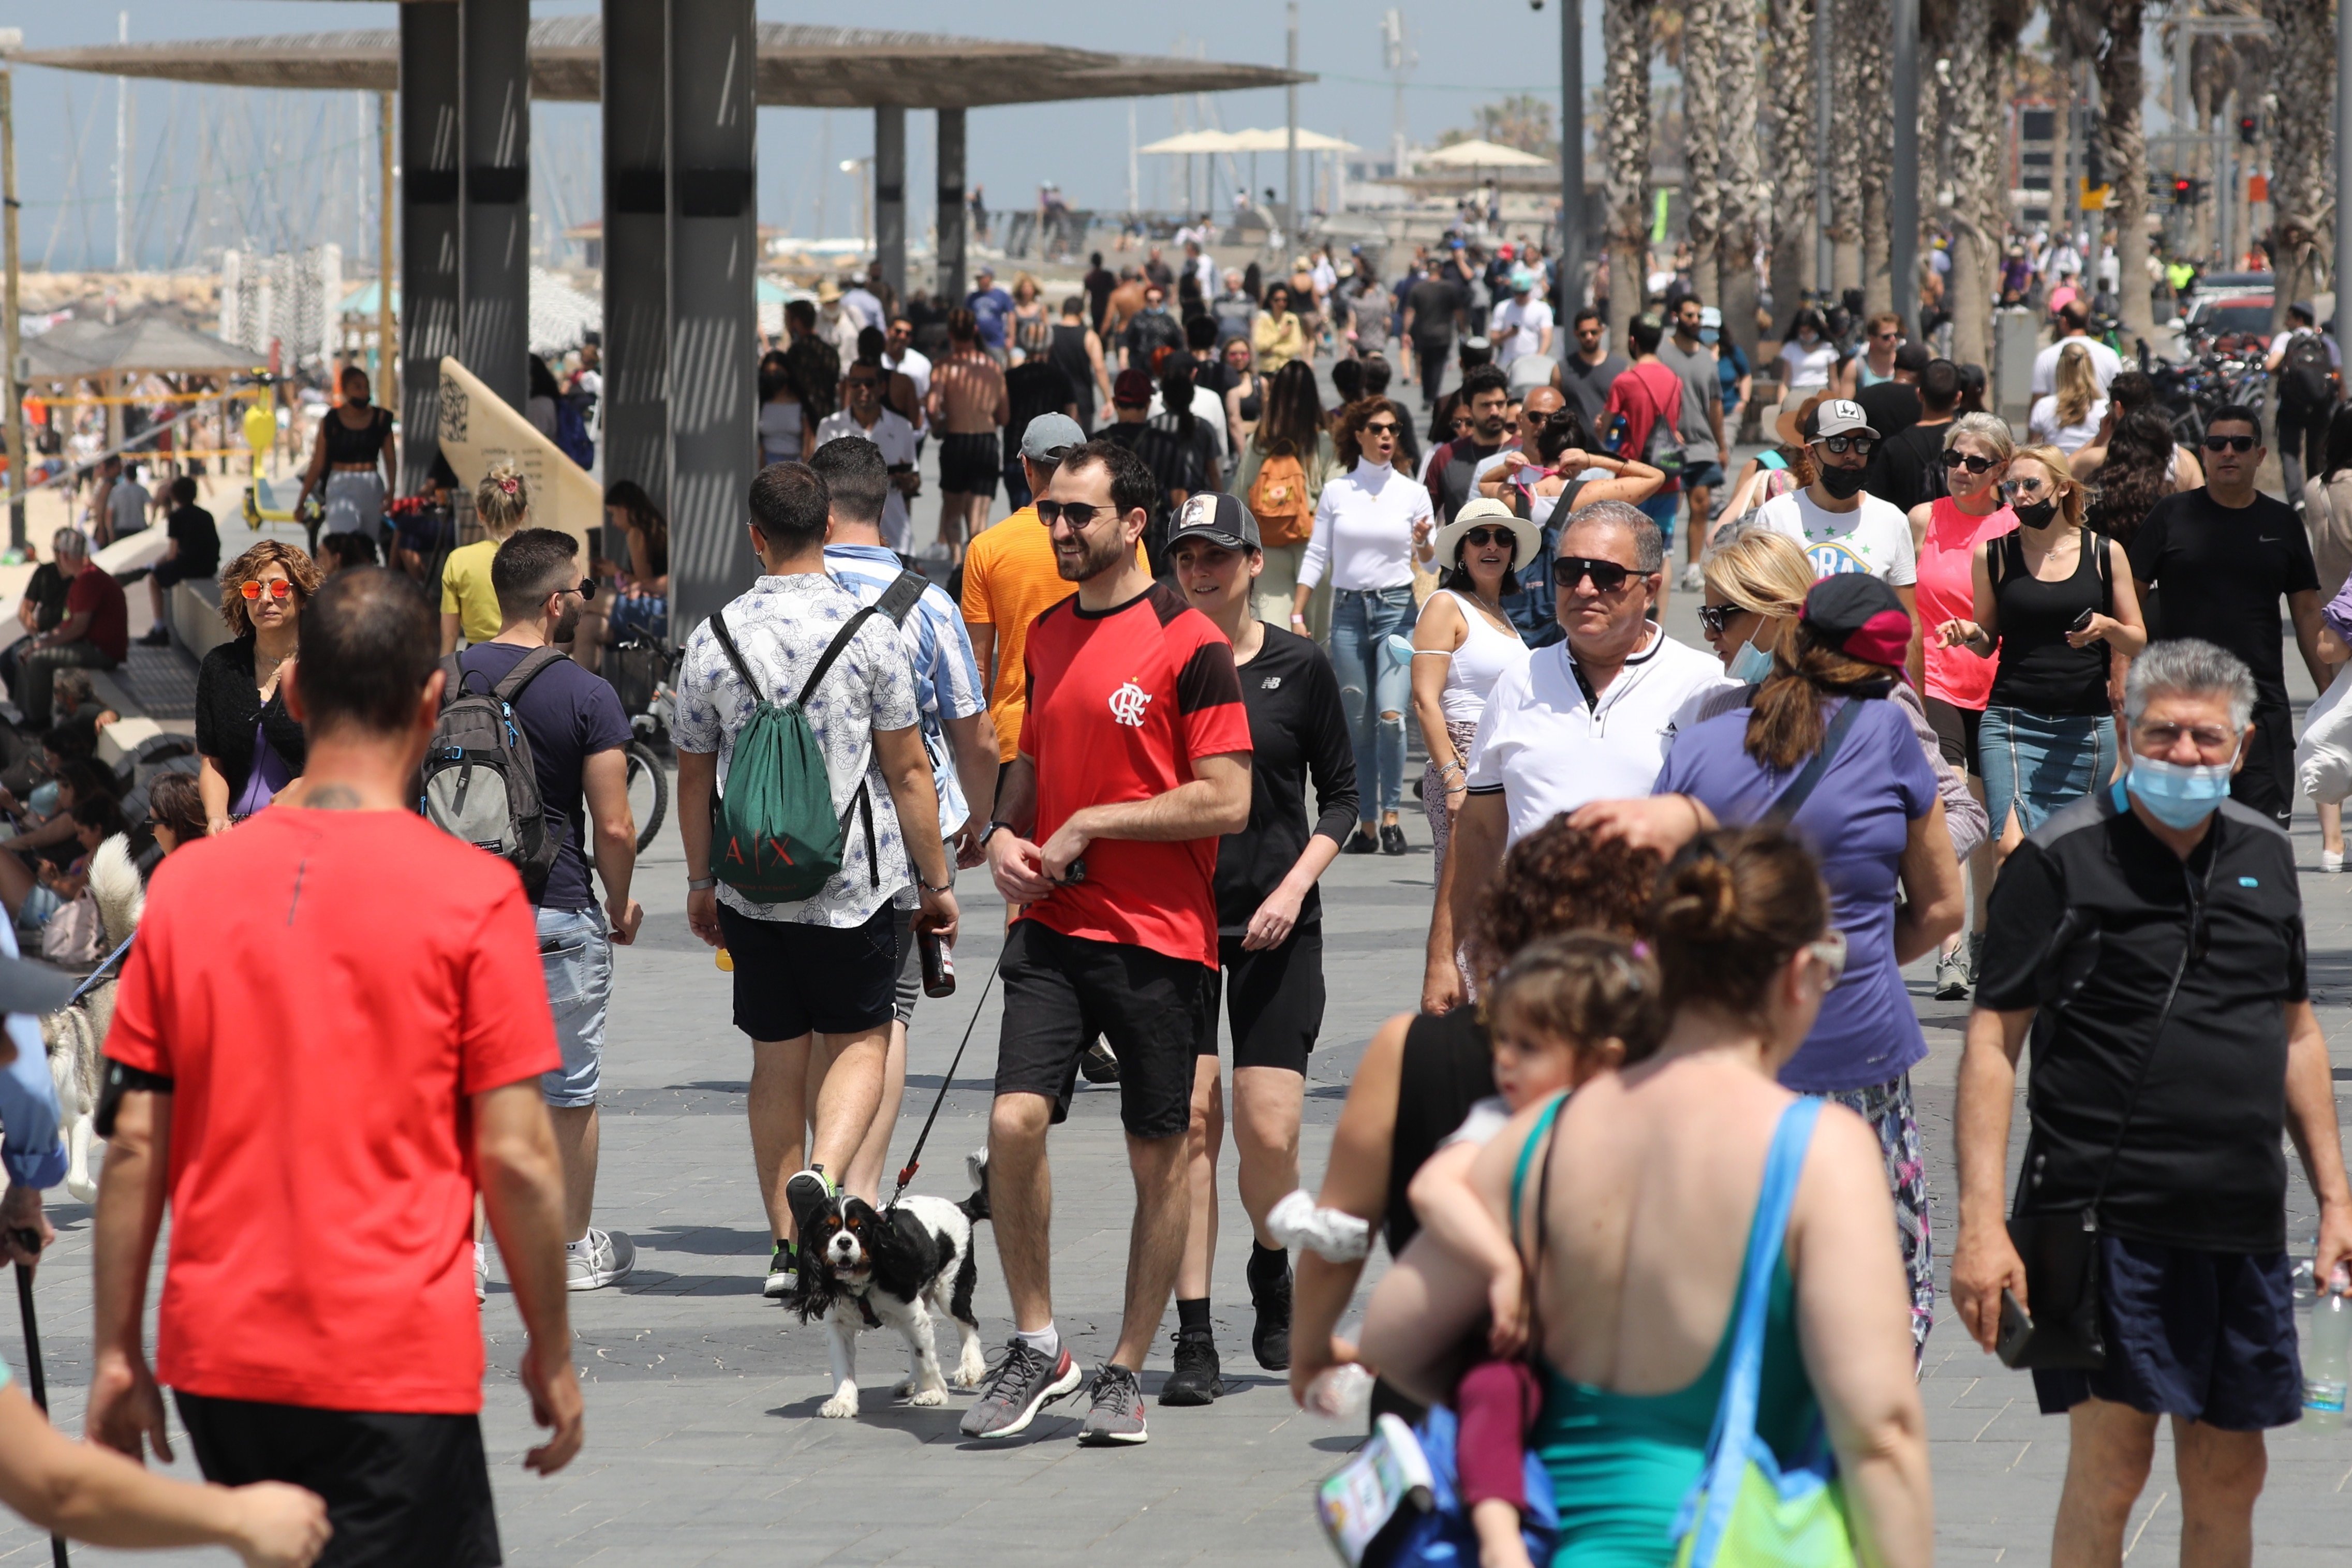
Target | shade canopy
(1476,154)
(1251,141)
(821,68)
(149,344)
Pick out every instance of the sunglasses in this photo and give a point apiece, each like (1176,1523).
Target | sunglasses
(2229,443)
(1975,465)
(1830,952)
(1385,428)
(2018,489)
(1860,445)
(281,591)
(1606,576)
(1077,513)
(587,589)
(1715,619)
(1478,538)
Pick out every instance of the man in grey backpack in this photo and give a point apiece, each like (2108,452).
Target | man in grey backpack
(816,975)
(577,740)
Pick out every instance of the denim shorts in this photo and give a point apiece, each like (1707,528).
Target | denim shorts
(575,953)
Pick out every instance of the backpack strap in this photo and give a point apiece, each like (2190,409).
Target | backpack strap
(1785,808)
(525,671)
(453,684)
(734,654)
(832,650)
(906,590)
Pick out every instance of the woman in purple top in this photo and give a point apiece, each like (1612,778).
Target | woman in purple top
(1873,817)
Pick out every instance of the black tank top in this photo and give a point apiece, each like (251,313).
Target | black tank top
(2039,672)
(1447,1068)
(345,445)
(1254,404)
(1067,353)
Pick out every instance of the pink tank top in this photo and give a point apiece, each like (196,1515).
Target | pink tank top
(1947,592)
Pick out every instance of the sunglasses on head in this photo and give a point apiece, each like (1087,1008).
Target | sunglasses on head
(1955,459)
(1860,445)
(281,591)
(1606,576)
(2229,443)
(1478,538)
(1077,513)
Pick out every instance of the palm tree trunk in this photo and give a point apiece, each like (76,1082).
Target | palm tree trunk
(1794,226)
(1846,120)
(1702,147)
(2301,134)
(1978,179)
(1625,40)
(1874,78)
(1740,170)
(2124,147)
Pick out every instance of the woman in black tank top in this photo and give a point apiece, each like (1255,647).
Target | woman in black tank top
(352,465)
(2054,604)
(1076,352)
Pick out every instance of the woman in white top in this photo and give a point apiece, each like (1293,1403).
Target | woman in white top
(1808,359)
(2070,417)
(1462,645)
(1372,525)
(786,432)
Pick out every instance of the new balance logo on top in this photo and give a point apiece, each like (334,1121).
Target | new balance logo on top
(1127,705)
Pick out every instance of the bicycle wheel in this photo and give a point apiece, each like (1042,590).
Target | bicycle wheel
(648,793)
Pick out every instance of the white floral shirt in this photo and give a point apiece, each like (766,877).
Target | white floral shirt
(783,627)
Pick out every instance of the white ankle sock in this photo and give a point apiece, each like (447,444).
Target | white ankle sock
(1046,1341)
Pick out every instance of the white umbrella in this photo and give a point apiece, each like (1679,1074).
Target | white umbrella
(1190,141)
(1278,140)
(1484,155)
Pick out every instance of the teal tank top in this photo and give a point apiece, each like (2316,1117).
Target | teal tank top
(1622,1463)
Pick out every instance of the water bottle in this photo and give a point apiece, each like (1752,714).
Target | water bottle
(1342,1393)
(2327,1353)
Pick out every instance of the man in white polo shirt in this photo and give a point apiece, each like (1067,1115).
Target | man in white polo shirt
(1587,719)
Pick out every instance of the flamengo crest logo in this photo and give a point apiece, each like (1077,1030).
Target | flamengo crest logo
(1127,705)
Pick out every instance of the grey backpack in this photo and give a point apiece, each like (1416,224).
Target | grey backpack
(478,782)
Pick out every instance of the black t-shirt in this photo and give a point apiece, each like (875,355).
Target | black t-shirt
(1297,732)
(1448,1067)
(1892,406)
(2226,568)
(1908,471)
(1100,285)
(48,590)
(1433,302)
(1039,386)
(568,716)
(1450,477)
(2200,1166)
(191,528)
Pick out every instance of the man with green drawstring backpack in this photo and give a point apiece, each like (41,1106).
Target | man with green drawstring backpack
(794,682)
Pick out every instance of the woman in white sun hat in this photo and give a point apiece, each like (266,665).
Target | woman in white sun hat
(1464,643)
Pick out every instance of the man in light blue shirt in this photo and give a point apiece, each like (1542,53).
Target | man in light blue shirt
(990,306)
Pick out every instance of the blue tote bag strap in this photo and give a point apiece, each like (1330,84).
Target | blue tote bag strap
(1734,1415)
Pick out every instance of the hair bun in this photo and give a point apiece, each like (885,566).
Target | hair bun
(1701,901)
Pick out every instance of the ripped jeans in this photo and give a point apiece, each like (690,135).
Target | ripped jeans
(1375,687)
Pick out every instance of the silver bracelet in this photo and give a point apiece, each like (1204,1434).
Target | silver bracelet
(700,884)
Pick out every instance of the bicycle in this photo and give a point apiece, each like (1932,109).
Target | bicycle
(640,661)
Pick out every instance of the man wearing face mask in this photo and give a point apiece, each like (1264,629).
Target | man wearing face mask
(1839,527)
(2160,922)
(2219,559)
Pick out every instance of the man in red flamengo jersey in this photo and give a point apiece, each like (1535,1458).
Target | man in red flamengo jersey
(1135,759)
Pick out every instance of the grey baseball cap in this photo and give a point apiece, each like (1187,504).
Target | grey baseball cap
(1048,435)
(1219,519)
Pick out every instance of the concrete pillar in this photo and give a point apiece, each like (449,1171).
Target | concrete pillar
(432,182)
(494,125)
(636,246)
(890,197)
(952,208)
(714,250)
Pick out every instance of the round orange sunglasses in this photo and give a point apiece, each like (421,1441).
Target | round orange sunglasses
(281,590)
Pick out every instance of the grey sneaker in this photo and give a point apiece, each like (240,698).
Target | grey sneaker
(1692,579)
(783,1274)
(1118,1414)
(1017,1387)
(1951,977)
(604,1257)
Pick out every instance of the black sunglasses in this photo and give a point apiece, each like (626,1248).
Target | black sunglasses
(1077,513)
(1860,445)
(1385,428)
(2229,443)
(587,589)
(1715,619)
(1606,576)
(1955,459)
(1481,537)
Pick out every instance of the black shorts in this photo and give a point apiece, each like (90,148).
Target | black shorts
(2206,1336)
(1956,732)
(909,984)
(1273,1000)
(2266,783)
(400,1488)
(171,573)
(969,464)
(792,979)
(1060,992)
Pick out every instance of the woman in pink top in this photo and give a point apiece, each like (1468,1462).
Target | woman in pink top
(1945,534)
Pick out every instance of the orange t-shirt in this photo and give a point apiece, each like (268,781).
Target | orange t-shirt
(1009,580)
(322,1047)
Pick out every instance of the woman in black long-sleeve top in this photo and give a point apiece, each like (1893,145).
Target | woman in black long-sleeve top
(1270,931)
(250,746)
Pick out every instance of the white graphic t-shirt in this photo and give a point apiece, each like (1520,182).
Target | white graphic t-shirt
(1875,537)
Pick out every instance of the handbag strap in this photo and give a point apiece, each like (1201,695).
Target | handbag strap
(1735,1414)
(1783,810)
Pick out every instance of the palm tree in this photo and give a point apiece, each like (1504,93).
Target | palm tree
(1793,221)
(1868,31)
(1625,40)
(2123,148)
(1848,114)
(2300,108)
(1702,139)
(1740,171)
(1972,130)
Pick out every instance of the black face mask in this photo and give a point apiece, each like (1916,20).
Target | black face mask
(1842,484)
(2035,514)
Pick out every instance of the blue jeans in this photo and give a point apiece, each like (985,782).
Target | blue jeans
(1375,686)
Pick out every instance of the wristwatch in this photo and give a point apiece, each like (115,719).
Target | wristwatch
(700,884)
(986,834)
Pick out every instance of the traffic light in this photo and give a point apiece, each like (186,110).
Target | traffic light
(2184,191)
(2250,129)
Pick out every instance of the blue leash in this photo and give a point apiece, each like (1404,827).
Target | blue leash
(89,984)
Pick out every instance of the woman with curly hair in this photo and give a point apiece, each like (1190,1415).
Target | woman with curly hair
(250,746)
(2137,472)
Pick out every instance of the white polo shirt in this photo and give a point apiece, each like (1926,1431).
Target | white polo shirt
(897,438)
(1548,747)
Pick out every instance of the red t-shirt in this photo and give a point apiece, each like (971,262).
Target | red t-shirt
(1121,703)
(326,989)
(1646,393)
(110,616)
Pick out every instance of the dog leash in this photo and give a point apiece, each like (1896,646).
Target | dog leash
(91,983)
(915,1159)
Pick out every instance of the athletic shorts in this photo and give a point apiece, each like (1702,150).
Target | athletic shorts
(793,979)
(400,1488)
(969,464)
(171,574)
(2266,782)
(1061,992)
(1663,509)
(1956,732)
(907,984)
(1273,1000)
(1706,475)
(2206,1336)
(576,954)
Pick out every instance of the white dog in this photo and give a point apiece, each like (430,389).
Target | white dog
(75,1035)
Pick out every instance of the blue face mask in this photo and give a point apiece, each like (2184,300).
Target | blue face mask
(1749,666)
(2176,794)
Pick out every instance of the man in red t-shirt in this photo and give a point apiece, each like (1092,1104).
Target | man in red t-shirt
(319,1107)
(1135,759)
(95,632)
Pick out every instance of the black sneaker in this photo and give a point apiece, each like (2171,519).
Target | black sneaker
(1016,1388)
(159,637)
(783,1274)
(1195,1380)
(1100,1064)
(1118,1413)
(1393,840)
(1270,1295)
(1360,843)
(807,1192)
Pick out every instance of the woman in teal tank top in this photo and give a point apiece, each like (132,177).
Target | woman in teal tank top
(1636,1211)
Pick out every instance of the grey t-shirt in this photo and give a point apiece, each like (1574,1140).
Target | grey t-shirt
(126,507)
(1702,394)
(1586,386)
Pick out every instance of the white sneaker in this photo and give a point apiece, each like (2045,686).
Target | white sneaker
(481,1273)
(2331,859)
(597,1259)
(1693,578)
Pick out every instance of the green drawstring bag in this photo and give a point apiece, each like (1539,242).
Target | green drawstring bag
(774,837)
(1745,1510)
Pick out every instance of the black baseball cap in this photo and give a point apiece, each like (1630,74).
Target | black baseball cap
(1219,519)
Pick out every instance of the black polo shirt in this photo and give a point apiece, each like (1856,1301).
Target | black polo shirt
(2200,1166)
